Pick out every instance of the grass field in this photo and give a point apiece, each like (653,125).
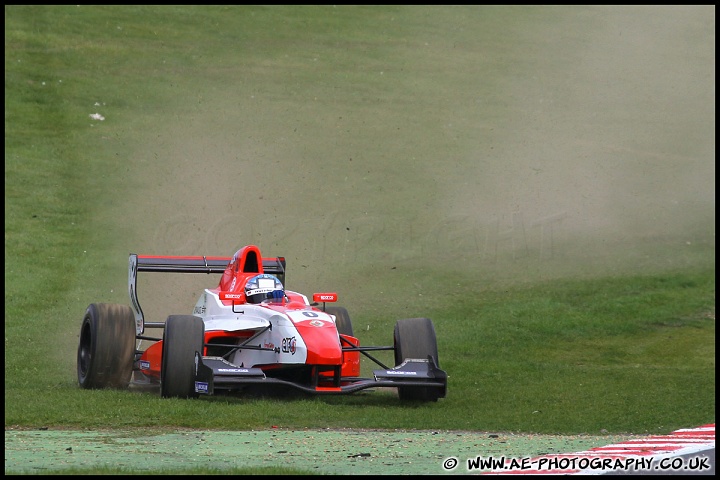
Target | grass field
(537,180)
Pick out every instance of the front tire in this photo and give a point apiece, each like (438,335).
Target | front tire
(415,338)
(106,351)
(183,336)
(342,320)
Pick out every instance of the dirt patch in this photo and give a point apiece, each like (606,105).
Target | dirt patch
(356,452)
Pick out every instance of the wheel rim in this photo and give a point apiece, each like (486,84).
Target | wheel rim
(84,355)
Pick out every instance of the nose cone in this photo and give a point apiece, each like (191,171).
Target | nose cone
(322,342)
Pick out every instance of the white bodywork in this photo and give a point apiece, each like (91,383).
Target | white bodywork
(284,343)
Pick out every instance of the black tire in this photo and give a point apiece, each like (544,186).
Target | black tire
(183,336)
(342,320)
(106,351)
(415,338)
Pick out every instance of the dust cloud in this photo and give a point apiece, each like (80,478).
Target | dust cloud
(564,140)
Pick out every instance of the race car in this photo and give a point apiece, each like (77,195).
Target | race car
(249,330)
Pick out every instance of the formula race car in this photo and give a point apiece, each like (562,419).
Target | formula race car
(248,330)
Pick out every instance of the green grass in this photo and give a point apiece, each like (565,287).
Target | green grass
(170,471)
(379,148)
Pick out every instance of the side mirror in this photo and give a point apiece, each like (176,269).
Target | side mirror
(238,297)
(325,297)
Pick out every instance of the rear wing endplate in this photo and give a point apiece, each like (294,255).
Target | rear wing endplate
(193,264)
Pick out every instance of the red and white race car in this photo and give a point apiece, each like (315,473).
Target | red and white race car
(248,330)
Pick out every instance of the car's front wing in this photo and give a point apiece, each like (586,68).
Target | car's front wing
(215,373)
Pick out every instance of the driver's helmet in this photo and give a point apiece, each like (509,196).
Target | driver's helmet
(264,287)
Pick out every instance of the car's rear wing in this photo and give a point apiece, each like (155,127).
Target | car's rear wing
(191,264)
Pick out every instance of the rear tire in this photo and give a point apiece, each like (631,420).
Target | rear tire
(342,320)
(183,336)
(106,351)
(415,338)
